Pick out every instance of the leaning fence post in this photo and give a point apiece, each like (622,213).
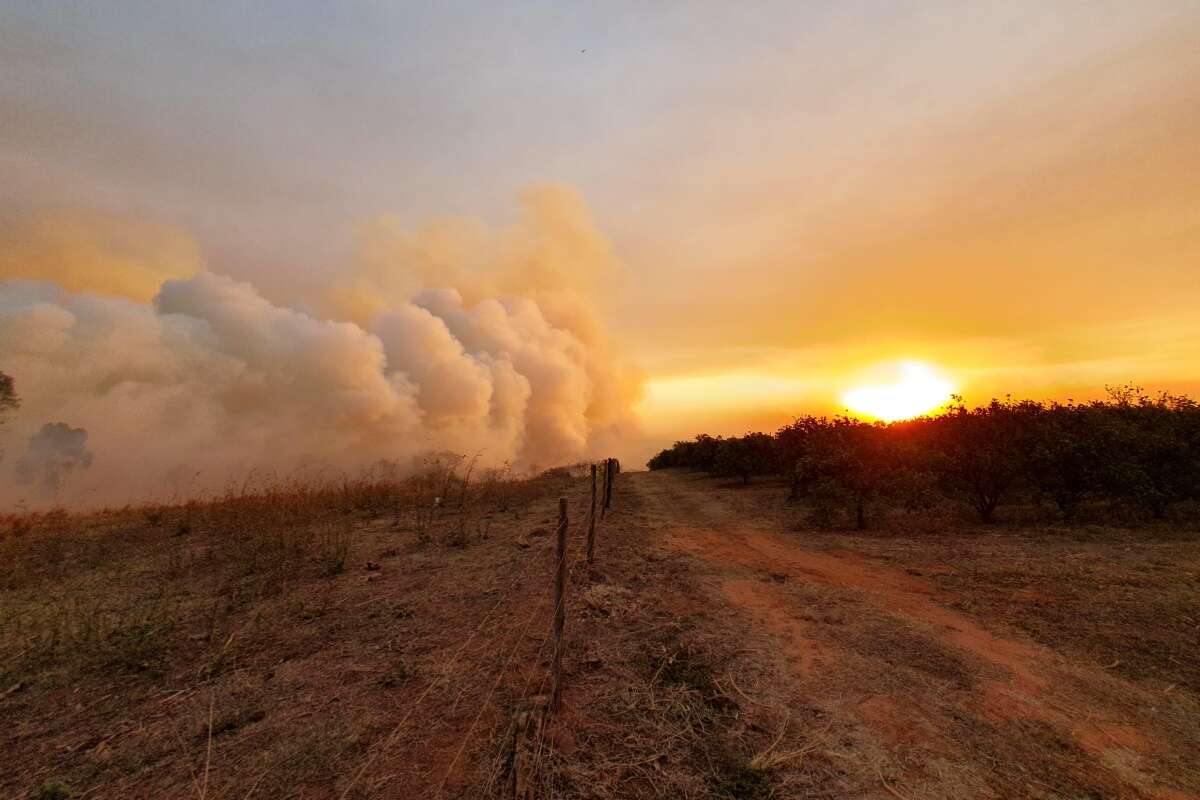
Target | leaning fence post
(560,605)
(591,539)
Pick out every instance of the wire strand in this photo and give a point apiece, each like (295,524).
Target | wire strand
(482,706)
(580,528)
(395,733)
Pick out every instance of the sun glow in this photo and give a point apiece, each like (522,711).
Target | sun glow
(915,389)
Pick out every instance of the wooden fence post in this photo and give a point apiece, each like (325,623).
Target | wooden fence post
(604,490)
(609,474)
(591,539)
(560,606)
(526,729)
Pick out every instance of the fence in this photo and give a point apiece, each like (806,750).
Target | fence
(525,739)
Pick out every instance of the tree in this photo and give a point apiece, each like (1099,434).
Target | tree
(8,399)
(1154,457)
(746,456)
(8,394)
(1064,453)
(1141,449)
(793,443)
(850,459)
(699,453)
(979,451)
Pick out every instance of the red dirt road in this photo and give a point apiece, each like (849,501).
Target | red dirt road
(1015,700)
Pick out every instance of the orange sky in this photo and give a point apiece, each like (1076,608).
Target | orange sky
(778,199)
(1044,242)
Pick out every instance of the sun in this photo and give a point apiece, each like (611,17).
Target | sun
(912,388)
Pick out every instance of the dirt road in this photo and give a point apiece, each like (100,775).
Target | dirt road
(906,694)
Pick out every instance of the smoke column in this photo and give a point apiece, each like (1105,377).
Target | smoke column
(453,338)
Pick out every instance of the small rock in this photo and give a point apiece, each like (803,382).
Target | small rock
(372,566)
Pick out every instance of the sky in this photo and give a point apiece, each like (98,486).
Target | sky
(767,201)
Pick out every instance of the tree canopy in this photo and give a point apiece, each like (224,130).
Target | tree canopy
(1134,448)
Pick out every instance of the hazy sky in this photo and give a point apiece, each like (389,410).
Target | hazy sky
(795,190)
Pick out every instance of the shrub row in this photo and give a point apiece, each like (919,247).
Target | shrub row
(1131,448)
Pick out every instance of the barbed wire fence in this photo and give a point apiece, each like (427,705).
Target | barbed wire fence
(525,739)
(529,724)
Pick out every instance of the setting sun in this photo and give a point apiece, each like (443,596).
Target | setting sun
(916,389)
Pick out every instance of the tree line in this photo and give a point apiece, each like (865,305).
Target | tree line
(1132,448)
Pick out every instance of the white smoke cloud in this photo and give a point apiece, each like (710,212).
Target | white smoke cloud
(211,380)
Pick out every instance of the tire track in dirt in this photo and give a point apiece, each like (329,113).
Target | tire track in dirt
(762,604)
(696,522)
(889,590)
(722,541)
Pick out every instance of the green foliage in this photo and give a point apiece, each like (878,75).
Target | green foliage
(1153,449)
(739,456)
(700,453)
(851,459)
(746,456)
(978,452)
(826,500)
(1136,449)
(1064,457)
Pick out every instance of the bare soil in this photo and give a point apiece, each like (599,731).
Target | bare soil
(1006,661)
(717,648)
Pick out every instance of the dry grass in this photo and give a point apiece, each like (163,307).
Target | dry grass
(1041,578)
(647,713)
(259,640)
(374,638)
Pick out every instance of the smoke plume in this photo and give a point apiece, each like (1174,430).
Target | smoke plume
(451,338)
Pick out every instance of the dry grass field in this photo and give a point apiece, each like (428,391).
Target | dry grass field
(369,641)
